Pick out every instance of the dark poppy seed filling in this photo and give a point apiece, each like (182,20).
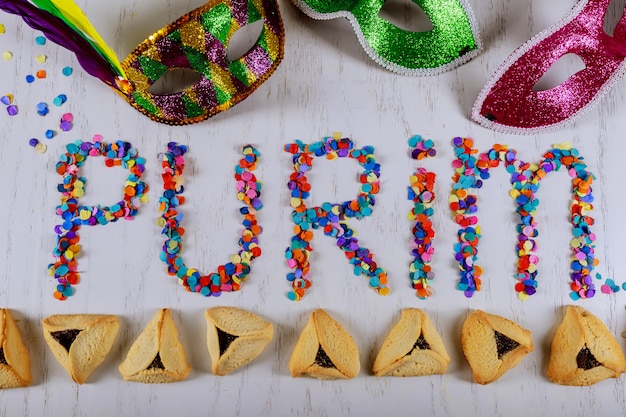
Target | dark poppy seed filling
(156,363)
(224,339)
(322,359)
(3,360)
(504,344)
(420,344)
(65,337)
(585,359)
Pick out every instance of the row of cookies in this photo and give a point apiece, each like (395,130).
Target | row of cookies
(583,350)
(81,342)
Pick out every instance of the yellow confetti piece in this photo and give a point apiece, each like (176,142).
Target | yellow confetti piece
(7,56)
(161,222)
(522,296)
(2,29)
(41,59)
(41,148)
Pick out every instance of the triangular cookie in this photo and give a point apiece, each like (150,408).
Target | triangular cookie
(493,345)
(235,337)
(324,350)
(14,358)
(80,342)
(412,348)
(156,356)
(584,351)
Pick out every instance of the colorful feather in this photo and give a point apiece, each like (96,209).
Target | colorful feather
(90,57)
(70,13)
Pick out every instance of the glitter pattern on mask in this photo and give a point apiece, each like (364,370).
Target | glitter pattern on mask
(199,41)
(453,40)
(508,103)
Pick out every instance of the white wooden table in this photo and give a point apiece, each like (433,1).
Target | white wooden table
(326,83)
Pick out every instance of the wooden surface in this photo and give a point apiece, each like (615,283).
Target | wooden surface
(326,83)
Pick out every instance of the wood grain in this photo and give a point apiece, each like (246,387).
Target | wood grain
(326,83)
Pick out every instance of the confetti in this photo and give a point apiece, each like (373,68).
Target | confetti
(66,122)
(67,71)
(41,59)
(229,276)
(422,192)
(41,148)
(7,55)
(2,29)
(463,206)
(7,99)
(33,142)
(422,148)
(12,110)
(30,79)
(331,218)
(40,40)
(50,134)
(41,74)
(42,109)
(59,100)
(74,215)
(525,181)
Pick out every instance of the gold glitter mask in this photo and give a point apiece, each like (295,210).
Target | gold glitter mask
(197,41)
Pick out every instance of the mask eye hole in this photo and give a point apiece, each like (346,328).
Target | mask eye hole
(559,72)
(406,15)
(243,40)
(174,81)
(613,15)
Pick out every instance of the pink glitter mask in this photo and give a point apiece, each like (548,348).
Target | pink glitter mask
(508,104)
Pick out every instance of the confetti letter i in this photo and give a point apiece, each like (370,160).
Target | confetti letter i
(422,193)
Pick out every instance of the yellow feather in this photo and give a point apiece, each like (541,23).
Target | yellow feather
(77,17)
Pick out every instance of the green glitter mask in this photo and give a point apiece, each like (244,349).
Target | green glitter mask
(453,40)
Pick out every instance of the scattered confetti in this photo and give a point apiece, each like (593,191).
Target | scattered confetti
(422,148)
(33,142)
(40,40)
(422,192)
(59,100)
(50,134)
(332,218)
(12,110)
(66,122)
(30,79)
(7,99)
(41,74)
(7,55)
(42,109)
(229,276)
(72,187)
(2,29)
(41,148)
(41,59)
(67,71)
